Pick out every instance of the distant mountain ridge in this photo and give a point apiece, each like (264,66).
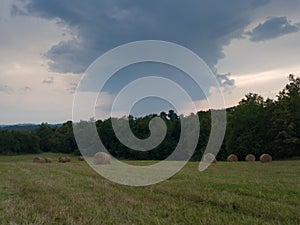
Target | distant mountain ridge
(24,126)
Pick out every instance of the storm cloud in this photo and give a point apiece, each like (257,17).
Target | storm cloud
(273,28)
(205,27)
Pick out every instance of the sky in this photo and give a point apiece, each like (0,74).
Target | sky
(46,47)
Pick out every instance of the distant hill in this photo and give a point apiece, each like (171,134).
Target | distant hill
(25,127)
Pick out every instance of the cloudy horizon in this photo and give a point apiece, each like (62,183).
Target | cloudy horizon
(47,45)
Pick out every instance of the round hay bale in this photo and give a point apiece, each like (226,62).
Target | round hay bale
(80,158)
(209,157)
(62,160)
(68,159)
(265,158)
(39,160)
(48,160)
(232,158)
(250,158)
(101,158)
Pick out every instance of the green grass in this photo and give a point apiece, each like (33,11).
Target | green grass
(72,193)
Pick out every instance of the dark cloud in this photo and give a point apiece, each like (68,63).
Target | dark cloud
(272,28)
(49,80)
(25,89)
(6,89)
(203,26)
(72,87)
(17,10)
(225,80)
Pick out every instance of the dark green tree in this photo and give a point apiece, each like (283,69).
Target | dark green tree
(286,120)
(48,141)
(245,127)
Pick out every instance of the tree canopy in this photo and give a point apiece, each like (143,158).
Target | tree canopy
(254,126)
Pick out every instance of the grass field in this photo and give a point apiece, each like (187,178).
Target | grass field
(72,193)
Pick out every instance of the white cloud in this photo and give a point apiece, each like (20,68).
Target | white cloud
(267,83)
(243,56)
(24,40)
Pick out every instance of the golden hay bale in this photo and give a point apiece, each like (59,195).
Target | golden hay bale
(68,159)
(265,158)
(209,157)
(80,158)
(250,158)
(39,160)
(62,160)
(48,160)
(232,158)
(101,158)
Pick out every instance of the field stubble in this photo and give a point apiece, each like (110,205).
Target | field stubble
(72,193)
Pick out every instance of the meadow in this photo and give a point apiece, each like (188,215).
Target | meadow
(225,193)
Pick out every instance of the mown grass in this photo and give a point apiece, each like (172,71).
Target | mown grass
(72,193)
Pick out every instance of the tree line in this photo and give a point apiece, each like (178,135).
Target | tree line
(256,125)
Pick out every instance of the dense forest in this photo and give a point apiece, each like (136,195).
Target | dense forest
(254,126)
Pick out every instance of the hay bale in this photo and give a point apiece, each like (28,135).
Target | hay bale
(39,160)
(48,160)
(265,158)
(68,159)
(80,158)
(101,158)
(232,158)
(250,158)
(62,160)
(209,157)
